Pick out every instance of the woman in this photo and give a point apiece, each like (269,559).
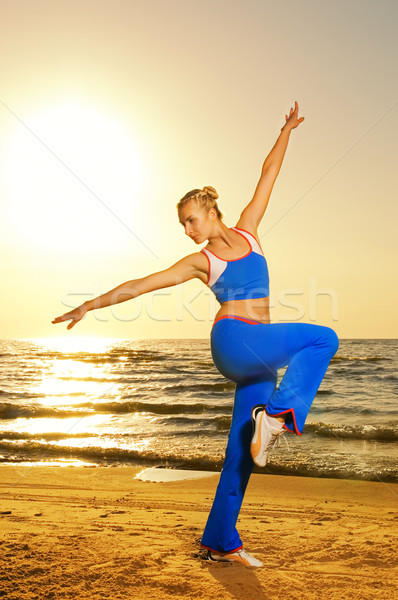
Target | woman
(246,347)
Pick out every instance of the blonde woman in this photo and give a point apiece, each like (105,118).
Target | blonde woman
(246,347)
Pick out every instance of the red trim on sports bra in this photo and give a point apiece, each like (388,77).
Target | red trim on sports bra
(254,237)
(233,259)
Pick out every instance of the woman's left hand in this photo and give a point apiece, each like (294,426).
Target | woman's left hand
(292,120)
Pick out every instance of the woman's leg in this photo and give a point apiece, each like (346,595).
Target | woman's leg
(250,354)
(246,352)
(220,533)
(313,348)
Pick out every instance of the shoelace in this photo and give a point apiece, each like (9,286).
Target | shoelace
(275,441)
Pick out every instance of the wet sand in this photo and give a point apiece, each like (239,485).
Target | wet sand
(91,533)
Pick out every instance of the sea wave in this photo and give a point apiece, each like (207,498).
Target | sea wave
(15,411)
(381,433)
(163,403)
(189,424)
(16,394)
(33,451)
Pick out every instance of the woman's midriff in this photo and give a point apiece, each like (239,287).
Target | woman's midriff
(256,309)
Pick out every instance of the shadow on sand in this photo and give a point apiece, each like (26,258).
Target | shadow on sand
(237,580)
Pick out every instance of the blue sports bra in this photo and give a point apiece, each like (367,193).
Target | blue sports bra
(240,278)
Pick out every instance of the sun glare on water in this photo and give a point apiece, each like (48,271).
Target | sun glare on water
(77,344)
(70,378)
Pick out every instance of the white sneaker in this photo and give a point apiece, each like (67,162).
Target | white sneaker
(240,556)
(264,437)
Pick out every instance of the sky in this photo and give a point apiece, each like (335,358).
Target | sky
(111,111)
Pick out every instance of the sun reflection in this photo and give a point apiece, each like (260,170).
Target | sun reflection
(105,443)
(68,381)
(76,403)
(73,426)
(77,343)
(77,381)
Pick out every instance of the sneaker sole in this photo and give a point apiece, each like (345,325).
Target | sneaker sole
(238,560)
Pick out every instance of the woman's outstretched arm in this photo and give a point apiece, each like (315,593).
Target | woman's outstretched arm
(254,211)
(185,269)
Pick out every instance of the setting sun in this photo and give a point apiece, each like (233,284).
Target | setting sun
(69,171)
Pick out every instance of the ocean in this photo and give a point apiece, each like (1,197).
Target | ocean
(162,403)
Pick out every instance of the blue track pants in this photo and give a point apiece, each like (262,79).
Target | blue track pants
(250,353)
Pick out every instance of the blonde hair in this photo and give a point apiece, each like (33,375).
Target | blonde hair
(205,198)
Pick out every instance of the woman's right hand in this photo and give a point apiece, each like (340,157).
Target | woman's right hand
(293,120)
(75,315)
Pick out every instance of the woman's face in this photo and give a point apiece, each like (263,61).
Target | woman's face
(195,221)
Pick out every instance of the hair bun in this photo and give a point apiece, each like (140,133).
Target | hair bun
(210,191)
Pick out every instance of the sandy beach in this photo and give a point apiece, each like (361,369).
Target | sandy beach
(78,532)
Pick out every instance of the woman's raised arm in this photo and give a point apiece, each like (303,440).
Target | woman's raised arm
(185,269)
(253,213)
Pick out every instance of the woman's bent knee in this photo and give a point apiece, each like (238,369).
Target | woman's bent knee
(332,340)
